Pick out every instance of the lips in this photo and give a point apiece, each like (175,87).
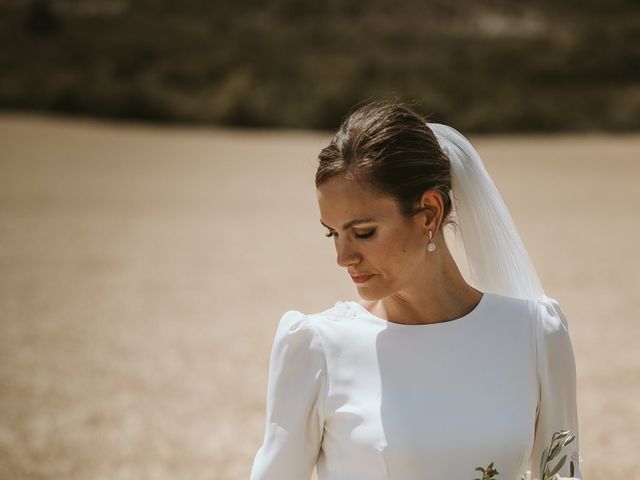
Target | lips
(361,278)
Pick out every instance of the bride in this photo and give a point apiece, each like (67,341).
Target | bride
(428,375)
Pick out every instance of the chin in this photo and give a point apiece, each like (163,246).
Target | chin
(369,294)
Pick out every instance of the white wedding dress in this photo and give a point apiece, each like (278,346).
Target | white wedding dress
(368,399)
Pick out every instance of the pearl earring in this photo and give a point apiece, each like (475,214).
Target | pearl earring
(431,246)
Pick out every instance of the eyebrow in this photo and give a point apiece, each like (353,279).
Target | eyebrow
(351,223)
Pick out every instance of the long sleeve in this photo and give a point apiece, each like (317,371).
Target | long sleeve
(295,403)
(557,406)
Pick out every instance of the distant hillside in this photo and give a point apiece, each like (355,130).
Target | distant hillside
(480,65)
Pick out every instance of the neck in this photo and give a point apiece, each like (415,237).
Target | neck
(441,295)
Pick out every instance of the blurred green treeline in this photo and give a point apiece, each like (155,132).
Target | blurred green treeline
(481,65)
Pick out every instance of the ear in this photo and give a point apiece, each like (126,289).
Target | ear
(431,202)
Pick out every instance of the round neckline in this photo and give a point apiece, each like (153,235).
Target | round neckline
(456,321)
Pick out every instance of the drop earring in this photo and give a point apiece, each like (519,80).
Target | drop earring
(431,246)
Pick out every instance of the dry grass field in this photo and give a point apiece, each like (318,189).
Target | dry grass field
(143,271)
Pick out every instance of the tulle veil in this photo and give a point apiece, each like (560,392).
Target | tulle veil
(496,257)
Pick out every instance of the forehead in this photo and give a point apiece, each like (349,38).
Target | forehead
(339,198)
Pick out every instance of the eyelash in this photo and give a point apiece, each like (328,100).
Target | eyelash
(363,236)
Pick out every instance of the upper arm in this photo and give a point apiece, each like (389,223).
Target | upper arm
(295,402)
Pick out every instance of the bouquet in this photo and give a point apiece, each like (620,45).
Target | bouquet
(547,472)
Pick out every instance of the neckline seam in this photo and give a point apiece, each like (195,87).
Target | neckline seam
(360,308)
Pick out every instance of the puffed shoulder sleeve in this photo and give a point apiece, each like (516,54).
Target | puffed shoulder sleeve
(557,406)
(295,402)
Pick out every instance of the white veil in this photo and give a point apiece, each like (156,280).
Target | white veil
(497,259)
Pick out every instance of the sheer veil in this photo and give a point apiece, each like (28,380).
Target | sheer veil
(497,260)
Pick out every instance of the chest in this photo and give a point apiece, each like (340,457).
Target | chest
(410,404)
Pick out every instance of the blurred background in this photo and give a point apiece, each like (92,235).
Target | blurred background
(158,213)
(489,65)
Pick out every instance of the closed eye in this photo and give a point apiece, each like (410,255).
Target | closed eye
(357,235)
(367,234)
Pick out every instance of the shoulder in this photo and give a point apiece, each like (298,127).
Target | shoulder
(545,312)
(296,349)
(552,332)
(548,325)
(552,328)
(296,326)
(514,310)
(293,320)
(551,318)
(299,327)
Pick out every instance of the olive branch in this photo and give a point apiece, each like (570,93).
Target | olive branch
(547,472)
(558,440)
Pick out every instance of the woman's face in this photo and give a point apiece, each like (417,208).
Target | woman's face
(372,237)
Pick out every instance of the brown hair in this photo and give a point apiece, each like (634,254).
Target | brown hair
(389,147)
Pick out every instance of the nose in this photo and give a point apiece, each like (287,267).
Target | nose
(346,255)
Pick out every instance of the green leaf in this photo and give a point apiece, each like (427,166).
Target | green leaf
(557,468)
(543,462)
(554,451)
(568,440)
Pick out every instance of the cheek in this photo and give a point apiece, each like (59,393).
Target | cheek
(396,252)
(407,242)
